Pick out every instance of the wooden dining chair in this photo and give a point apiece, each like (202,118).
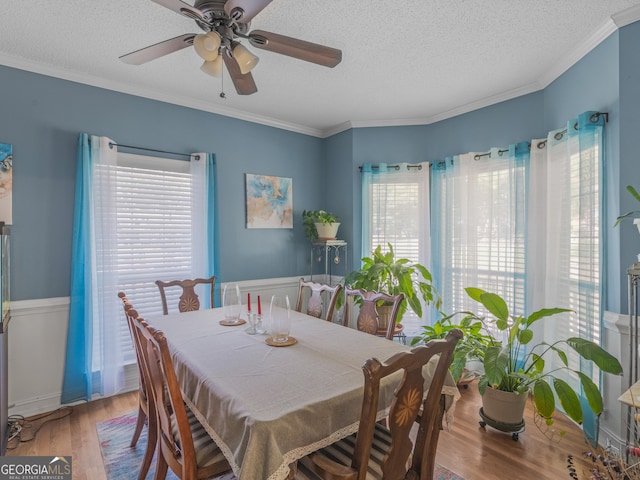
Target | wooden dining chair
(317,292)
(189,300)
(146,411)
(367,320)
(381,453)
(183,443)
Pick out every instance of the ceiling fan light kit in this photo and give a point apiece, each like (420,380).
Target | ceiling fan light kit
(246,60)
(207,45)
(213,68)
(224,23)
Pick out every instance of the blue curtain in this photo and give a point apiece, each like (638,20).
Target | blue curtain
(77,383)
(213,232)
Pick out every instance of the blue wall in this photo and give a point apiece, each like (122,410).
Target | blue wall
(42,117)
(597,82)
(592,84)
(47,114)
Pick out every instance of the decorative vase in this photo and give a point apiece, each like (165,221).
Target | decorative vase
(327,231)
(505,408)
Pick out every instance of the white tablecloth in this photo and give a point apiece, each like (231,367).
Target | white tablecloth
(265,406)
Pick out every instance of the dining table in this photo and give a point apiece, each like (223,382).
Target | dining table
(268,406)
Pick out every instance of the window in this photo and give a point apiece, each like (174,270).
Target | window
(479,227)
(396,211)
(566,181)
(135,219)
(154,234)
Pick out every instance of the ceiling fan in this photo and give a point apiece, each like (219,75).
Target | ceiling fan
(225,23)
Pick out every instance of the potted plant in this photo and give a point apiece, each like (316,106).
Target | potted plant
(320,224)
(382,272)
(510,371)
(470,347)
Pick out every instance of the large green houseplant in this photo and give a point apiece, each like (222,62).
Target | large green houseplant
(512,364)
(382,272)
(470,347)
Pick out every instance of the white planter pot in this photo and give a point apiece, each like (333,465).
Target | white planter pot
(327,231)
(504,407)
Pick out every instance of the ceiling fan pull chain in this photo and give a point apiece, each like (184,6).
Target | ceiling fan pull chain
(222,94)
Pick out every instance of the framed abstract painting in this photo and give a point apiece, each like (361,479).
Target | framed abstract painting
(6,182)
(269,201)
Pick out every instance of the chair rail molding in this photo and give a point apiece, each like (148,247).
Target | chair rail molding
(38,337)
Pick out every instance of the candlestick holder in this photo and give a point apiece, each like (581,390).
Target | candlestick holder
(258,325)
(251,317)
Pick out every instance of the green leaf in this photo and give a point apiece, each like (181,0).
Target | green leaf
(496,305)
(568,399)
(482,384)
(561,353)
(496,362)
(633,192)
(591,393)
(416,306)
(545,312)
(424,272)
(525,336)
(537,363)
(590,351)
(475,293)
(543,398)
(457,365)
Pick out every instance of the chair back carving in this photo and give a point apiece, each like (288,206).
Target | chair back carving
(367,320)
(403,459)
(189,300)
(315,302)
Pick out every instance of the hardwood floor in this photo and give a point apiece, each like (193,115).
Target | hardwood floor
(469,450)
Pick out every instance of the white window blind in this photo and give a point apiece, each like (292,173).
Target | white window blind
(396,211)
(480,208)
(153,234)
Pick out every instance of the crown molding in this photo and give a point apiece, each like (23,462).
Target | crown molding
(626,17)
(618,20)
(460,110)
(72,76)
(572,57)
(342,127)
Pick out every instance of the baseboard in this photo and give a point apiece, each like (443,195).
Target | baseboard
(609,438)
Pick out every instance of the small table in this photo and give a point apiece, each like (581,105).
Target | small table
(266,407)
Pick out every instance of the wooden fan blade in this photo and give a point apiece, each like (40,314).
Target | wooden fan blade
(244,10)
(292,47)
(158,50)
(183,9)
(242,81)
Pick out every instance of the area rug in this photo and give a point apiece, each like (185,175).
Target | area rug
(122,462)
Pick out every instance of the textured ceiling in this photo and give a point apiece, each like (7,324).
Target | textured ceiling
(407,62)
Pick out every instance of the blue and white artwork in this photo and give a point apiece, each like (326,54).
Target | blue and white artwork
(6,182)
(269,201)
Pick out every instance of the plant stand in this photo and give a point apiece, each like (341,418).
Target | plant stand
(329,253)
(514,428)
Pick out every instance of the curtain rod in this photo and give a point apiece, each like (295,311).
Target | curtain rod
(188,155)
(395,167)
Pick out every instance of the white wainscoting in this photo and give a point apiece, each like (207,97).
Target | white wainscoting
(37,344)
